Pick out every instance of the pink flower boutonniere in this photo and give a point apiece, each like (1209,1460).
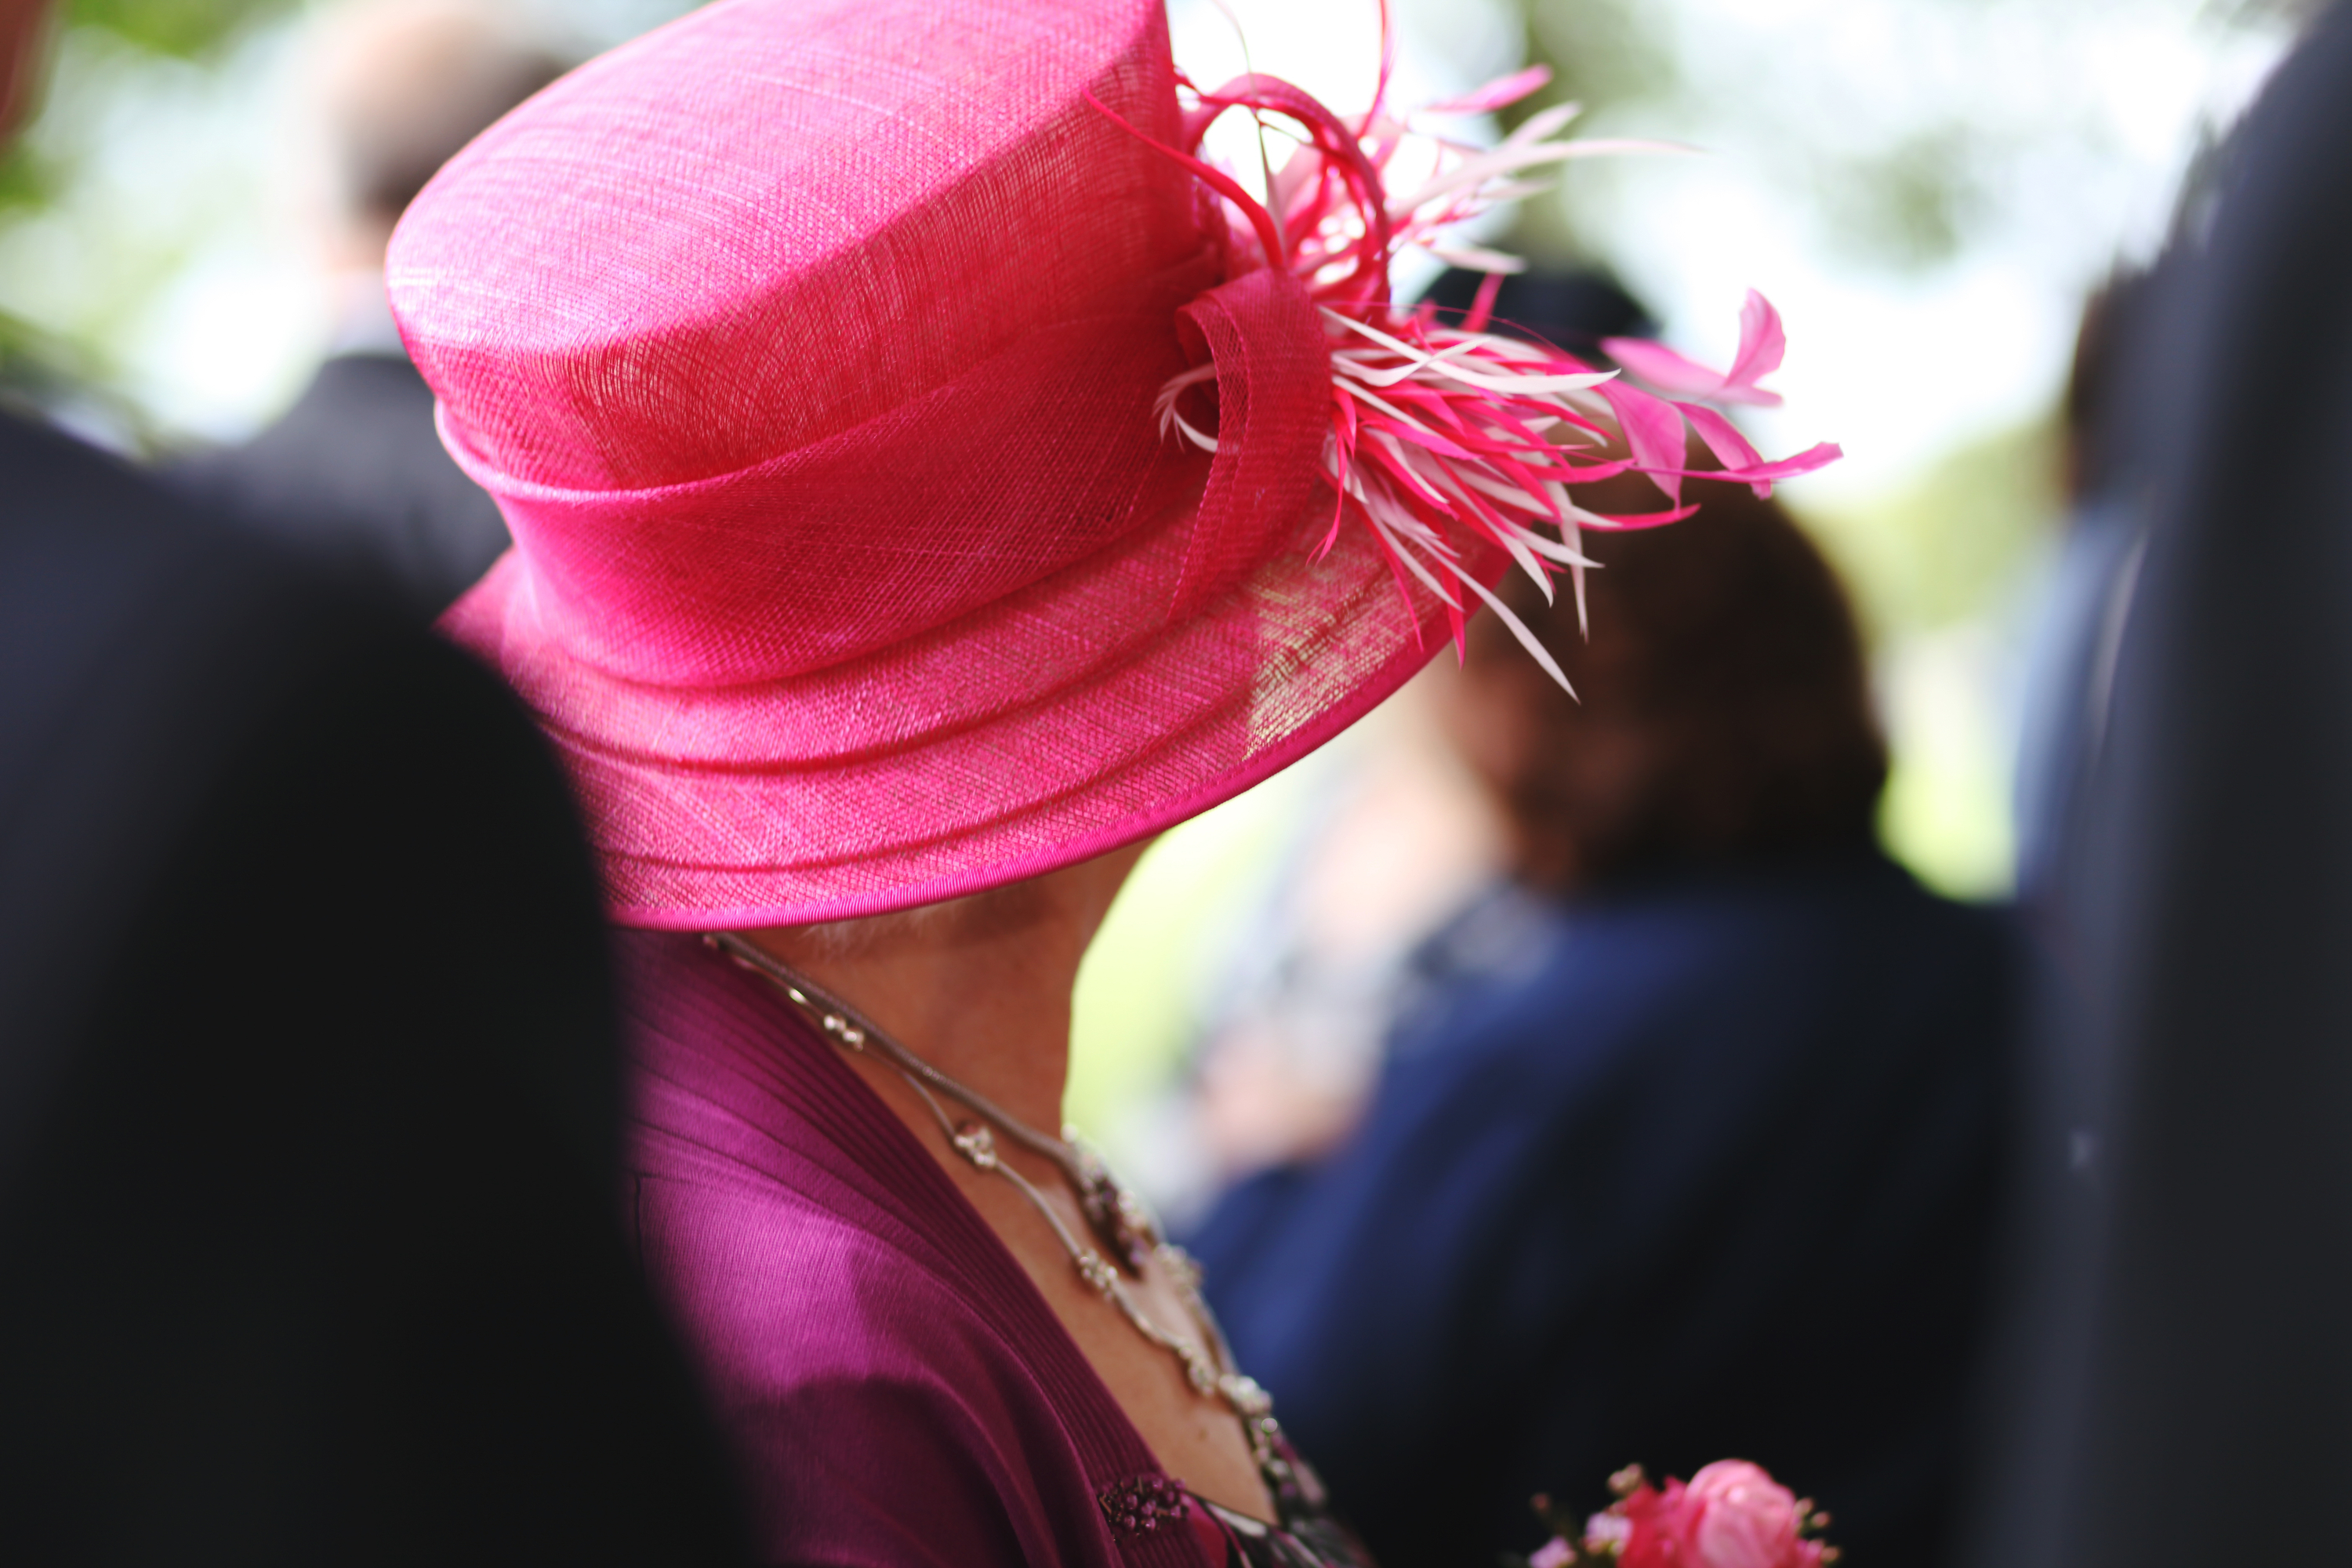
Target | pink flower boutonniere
(1732,1514)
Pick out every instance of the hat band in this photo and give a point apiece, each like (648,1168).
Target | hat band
(1273,364)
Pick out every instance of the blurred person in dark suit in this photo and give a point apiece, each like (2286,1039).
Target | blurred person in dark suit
(355,473)
(2181,1379)
(1687,1143)
(2071,661)
(307,1079)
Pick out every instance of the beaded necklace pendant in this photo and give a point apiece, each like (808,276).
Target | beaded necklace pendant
(1121,1220)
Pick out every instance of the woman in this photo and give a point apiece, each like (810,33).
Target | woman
(923,476)
(1685,1134)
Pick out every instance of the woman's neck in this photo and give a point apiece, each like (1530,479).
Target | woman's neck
(977,988)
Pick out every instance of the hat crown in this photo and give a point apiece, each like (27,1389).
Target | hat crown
(827,322)
(773,219)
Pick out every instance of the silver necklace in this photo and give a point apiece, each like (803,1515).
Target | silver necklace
(1121,1223)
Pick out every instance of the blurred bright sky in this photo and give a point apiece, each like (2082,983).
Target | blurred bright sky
(185,254)
(2091,111)
(191,210)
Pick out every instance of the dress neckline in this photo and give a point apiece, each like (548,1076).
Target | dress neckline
(838,1143)
(862,1125)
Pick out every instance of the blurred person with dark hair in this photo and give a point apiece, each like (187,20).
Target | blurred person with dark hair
(1574,310)
(1724,708)
(1686,1144)
(354,473)
(309,1091)
(2180,1380)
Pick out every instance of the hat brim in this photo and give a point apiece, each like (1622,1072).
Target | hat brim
(1055,725)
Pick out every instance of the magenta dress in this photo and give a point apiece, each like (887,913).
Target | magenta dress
(897,1390)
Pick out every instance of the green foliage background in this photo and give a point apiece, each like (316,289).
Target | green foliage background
(38,361)
(187,28)
(180,29)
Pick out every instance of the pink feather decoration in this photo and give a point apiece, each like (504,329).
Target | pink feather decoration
(1440,431)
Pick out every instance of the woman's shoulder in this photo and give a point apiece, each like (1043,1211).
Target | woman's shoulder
(731,1092)
(879,1411)
(878,1418)
(893,1388)
(797,1281)
(795,1229)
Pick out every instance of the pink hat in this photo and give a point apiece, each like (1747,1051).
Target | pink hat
(924,473)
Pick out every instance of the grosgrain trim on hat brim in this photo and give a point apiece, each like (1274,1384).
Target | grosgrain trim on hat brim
(1408,662)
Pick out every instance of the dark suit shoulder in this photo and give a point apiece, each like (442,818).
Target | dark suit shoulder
(355,476)
(307,1087)
(1842,944)
(165,670)
(101,570)
(52,478)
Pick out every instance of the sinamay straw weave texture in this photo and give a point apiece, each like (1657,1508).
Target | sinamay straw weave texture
(811,352)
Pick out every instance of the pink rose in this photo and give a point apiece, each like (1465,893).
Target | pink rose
(1656,1531)
(1746,1519)
(1732,1514)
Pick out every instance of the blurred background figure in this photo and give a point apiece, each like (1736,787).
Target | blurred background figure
(1686,1139)
(2071,659)
(308,1088)
(354,473)
(2181,1386)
